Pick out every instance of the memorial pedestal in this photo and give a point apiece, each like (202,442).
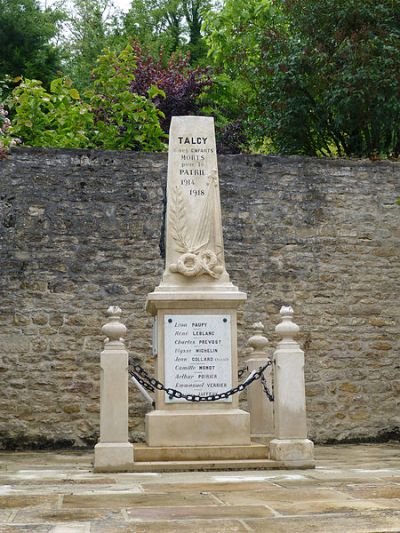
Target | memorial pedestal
(196,346)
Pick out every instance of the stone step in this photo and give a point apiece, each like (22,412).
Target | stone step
(145,453)
(240,464)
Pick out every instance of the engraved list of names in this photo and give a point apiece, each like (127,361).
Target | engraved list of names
(198,354)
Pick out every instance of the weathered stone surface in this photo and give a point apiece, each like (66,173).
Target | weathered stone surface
(355,489)
(193,239)
(320,235)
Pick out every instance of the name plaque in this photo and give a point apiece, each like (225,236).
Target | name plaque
(197,355)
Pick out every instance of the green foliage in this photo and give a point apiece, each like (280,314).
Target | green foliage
(91,28)
(168,26)
(225,102)
(322,76)
(25,40)
(108,116)
(315,78)
(155,24)
(57,118)
(234,35)
(123,120)
(194,12)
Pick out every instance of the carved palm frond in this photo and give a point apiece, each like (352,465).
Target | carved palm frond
(177,220)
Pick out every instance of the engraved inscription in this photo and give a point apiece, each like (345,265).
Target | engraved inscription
(194,213)
(198,354)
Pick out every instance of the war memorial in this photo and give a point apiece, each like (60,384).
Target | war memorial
(197,421)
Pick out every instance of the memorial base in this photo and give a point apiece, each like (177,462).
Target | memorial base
(113,457)
(145,453)
(222,427)
(207,458)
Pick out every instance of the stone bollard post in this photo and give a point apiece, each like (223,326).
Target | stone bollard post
(260,408)
(290,442)
(113,452)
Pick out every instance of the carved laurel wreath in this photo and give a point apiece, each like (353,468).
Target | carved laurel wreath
(194,261)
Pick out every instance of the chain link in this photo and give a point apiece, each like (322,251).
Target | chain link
(242,371)
(151,384)
(268,393)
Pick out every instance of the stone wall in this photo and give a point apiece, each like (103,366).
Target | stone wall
(81,230)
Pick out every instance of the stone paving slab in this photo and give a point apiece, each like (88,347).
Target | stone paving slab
(110,501)
(184,526)
(26,500)
(354,489)
(327,506)
(10,528)
(377,522)
(62,516)
(204,486)
(279,494)
(4,515)
(150,514)
(369,491)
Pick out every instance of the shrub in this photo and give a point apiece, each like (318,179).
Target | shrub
(181,84)
(124,119)
(108,116)
(57,118)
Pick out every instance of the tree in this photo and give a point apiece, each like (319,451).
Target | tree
(26,34)
(90,27)
(155,24)
(169,26)
(194,11)
(322,77)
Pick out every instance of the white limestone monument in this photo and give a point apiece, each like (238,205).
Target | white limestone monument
(195,304)
(195,423)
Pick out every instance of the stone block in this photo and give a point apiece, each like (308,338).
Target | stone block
(14,343)
(113,457)
(197,428)
(291,450)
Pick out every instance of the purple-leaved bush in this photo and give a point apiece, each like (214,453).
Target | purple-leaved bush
(181,83)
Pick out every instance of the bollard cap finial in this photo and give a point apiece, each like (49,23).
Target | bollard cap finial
(287,329)
(258,341)
(114,311)
(286,310)
(114,329)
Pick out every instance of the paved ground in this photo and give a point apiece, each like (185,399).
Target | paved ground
(353,489)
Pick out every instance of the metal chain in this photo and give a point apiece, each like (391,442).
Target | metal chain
(151,384)
(268,393)
(242,371)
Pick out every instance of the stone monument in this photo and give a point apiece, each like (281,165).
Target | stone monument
(195,304)
(197,423)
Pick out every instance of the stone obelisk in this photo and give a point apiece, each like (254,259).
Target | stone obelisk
(195,303)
